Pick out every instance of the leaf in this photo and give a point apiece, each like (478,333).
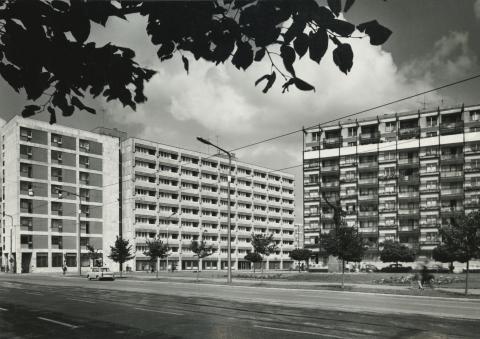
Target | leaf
(348,4)
(60,5)
(285,86)
(341,27)
(80,28)
(270,82)
(260,54)
(378,34)
(296,28)
(30,110)
(53,117)
(259,80)
(343,57)
(335,6)
(302,85)
(243,56)
(301,44)
(317,45)
(77,103)
(287,54)
(166,49)
(185,63)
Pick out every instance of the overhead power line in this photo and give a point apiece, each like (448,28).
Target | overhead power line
(360,112)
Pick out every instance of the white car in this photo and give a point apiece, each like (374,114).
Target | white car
(100,273)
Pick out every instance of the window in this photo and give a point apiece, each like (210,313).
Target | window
(42,259)
(431,167)
(84,146)
(57,259)
(316,136)
(432,121)
(475,116)
(390,126)
(352,131)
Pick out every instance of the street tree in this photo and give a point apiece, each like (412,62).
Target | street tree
(393,251)
(301,254)
(253,257)
(156,250)
(463,235)
(445,254)
(47,49)
(201,250)
(121,252)
(263,244)
(345,243)
(94,256)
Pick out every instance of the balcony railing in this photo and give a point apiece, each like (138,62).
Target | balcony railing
(409,133)
(332,142)
(368,197)
(385,193)
(408,162)
(409,179)
(408,211)
(333,168)
(452,191)
(368,165)
(428,189)
(348,179)
(472,167)
(409,228)
(405,195)
(368,213)
(369,138)
(426,207)
(448,128)
(368,181)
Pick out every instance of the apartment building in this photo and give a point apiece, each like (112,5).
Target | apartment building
(54,178)
(181,196)
(397,176)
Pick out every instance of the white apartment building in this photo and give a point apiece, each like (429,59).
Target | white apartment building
(181,195)
(397,176)
(39,225)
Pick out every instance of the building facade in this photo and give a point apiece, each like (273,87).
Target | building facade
(398,176)
(181,195)
(54,178)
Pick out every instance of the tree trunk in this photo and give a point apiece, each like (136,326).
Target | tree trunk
(299,267)
(343,274)
(158,266)
(451,267)
(198,273)
(466,279)
(253,267)
(121,270)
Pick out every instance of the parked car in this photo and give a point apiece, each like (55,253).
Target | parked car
(396,268)
(100,273)
(369,268)
(437,269)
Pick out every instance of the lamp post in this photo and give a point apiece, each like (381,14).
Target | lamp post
(79,251)
(229,231)
(10,257)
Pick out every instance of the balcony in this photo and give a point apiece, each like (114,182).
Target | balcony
(332,143)
(429,224)
(368,197)
(369,166)
(409,133)
(387,176)
(452,159)
(369,138)
(429,189)
(472,167)
(387,193)
(345,179)
(409,179)
(367,214)
(448,128)
(409,229)
(409,195)
(368,182)
(451,192)
(348,195)
(408,212)
(383,225)
(368,230)
(311,165)
(387,209)
(430,207)
(451,176)
(408,163)
(330,169)
(330,186)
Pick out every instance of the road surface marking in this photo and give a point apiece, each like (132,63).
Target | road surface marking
(295,331)
(33,293)
(157,311)
(3,309)
(81,300)
(58,322)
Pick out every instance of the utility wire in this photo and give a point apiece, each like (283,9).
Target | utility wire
(360,112)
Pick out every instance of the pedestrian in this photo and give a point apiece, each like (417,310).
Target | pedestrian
(64,269)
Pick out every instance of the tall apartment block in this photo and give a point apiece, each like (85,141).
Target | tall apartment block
(54,179)
(397,176)
(181,195)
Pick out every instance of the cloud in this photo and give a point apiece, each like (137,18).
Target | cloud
(476,8)
(451,59)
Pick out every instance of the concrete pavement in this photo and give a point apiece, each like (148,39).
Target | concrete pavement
(57,307)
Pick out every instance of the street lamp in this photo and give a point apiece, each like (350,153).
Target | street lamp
(79,251)
(229,244)
(10,258)
(158,235)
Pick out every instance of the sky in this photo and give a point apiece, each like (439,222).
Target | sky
(434,42)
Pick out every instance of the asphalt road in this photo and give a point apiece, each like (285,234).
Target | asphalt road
(57,307)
